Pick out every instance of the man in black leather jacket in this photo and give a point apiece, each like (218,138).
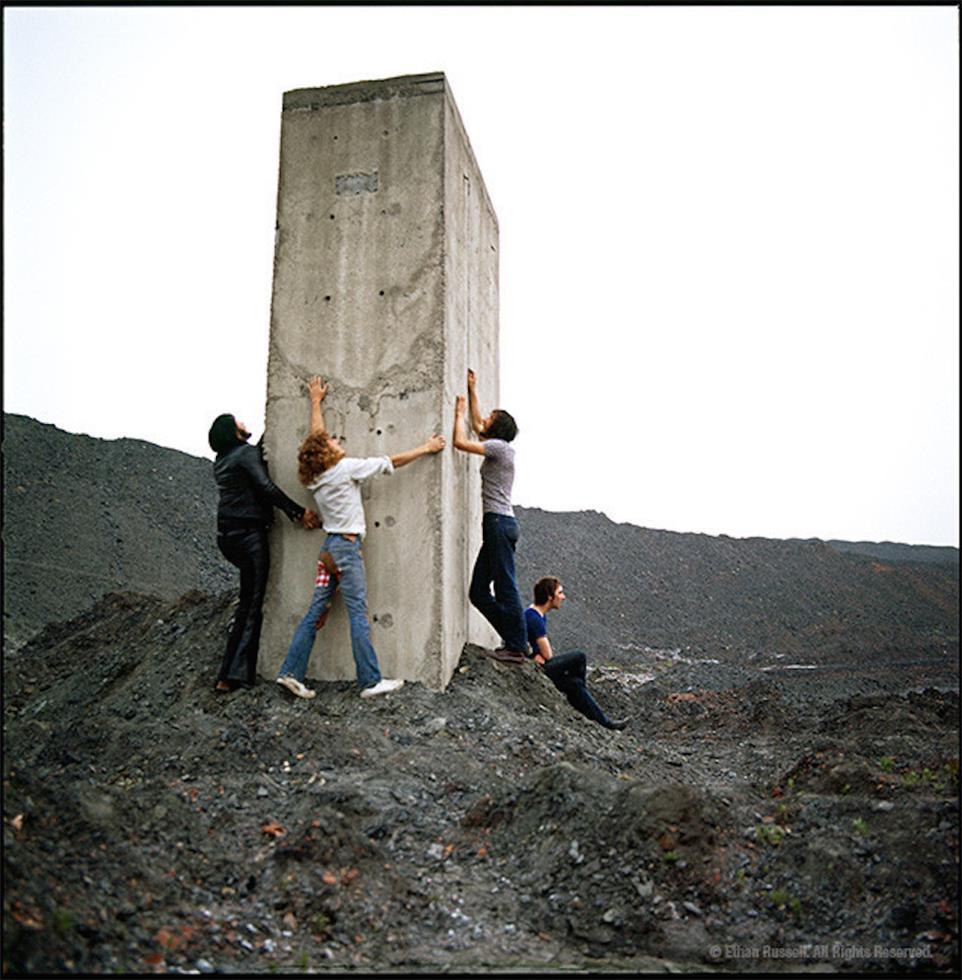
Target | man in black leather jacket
(245,510)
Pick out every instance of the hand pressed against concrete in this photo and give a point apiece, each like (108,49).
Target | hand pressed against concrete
(433,445)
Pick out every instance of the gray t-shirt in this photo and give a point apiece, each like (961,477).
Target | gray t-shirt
(497,477)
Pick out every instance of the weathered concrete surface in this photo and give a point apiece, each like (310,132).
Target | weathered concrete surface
(386,285)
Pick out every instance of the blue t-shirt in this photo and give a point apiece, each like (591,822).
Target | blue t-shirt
(537,627)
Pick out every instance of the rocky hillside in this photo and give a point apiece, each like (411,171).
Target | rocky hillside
(785,796)
(891,551)
(84,516)
(732,598)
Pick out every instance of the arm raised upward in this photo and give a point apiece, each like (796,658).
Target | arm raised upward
(477,420)
(459,438)
(317,390)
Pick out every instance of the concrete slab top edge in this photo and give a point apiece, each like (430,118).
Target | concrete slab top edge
(403,86)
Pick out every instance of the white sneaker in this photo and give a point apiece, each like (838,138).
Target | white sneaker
(296,687)
(381,687)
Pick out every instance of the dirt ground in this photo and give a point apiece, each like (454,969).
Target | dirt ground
(754,816)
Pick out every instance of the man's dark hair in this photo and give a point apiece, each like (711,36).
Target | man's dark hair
(223,434)
(502,426)
(544,589)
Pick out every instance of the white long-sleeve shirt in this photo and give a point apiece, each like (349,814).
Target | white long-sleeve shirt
(337,493)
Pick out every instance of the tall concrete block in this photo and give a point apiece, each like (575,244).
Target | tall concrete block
(386,285)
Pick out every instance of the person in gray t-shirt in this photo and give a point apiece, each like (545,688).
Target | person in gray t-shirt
(499,529)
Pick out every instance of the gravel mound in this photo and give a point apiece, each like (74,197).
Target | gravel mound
(153,826)
(84,517)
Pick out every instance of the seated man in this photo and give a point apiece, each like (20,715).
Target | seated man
(567,671)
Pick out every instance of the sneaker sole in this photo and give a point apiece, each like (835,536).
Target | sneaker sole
(368,693)
(293,690)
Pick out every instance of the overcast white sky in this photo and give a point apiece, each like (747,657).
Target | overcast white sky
(729,241)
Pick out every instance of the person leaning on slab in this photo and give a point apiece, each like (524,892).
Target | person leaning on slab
(245,510)
(335,480)
(499,528)
(567,671)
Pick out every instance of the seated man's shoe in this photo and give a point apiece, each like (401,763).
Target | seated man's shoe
(381,687)
(295,686)
(616,724)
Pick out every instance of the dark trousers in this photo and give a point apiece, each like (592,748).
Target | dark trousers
(567,671)
(495,566)
(247,550)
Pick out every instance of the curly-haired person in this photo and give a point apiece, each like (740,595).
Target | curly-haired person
(335,480)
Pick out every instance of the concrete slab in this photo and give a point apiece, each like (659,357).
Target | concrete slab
(386,285)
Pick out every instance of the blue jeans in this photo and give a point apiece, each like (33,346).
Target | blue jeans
(495,565)
(350,562)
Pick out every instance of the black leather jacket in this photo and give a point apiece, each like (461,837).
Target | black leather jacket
(247,493)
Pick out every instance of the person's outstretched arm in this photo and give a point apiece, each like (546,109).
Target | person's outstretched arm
(459,438)
(477,420)
(434,445)
(253,465)
(317,390)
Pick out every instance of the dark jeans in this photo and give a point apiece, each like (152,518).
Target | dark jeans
(567,671)
(247,550)
(495,565)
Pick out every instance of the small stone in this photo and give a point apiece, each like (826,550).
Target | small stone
(693,908)
(204,967)
(644,889)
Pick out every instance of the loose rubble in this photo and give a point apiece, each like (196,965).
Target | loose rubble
(151,825)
